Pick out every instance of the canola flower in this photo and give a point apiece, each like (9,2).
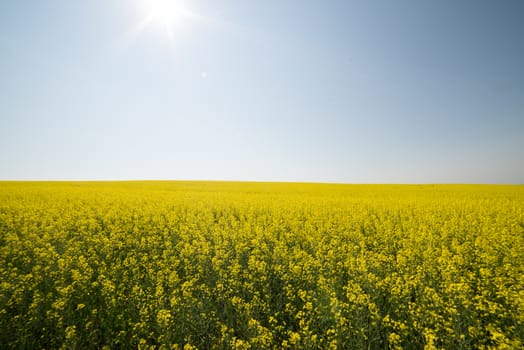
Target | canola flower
(224,265)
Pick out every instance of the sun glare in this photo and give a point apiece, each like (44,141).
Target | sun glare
(169,14)
(164,10)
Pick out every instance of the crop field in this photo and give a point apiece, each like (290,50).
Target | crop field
(225,265)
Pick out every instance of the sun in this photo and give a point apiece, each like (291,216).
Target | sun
(165,11)
(169,14)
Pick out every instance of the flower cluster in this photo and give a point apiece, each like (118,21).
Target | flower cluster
(211,265)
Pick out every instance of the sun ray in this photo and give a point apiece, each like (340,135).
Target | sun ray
(170,32)
(172,17)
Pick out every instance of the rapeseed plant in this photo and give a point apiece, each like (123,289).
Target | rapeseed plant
(196,265)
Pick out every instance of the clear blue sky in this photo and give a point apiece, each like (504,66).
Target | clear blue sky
(325,91)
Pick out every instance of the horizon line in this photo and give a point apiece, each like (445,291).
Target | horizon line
(264,181)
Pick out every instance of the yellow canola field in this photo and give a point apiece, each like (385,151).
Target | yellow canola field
(224,265)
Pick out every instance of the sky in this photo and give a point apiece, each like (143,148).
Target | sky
(311,91)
